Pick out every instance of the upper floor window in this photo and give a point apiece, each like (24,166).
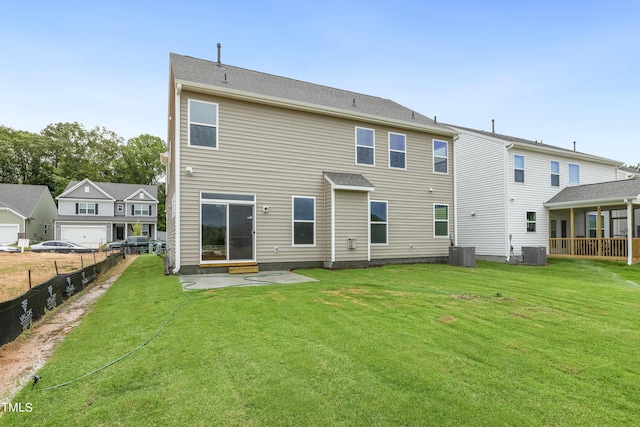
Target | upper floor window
(574,174)
(203,124)
(86,208)
(518,168)
(555,174)
(397,151)
(365,146)
(378,222)
(138,210)
(120,207)
(440,156)
(304,221)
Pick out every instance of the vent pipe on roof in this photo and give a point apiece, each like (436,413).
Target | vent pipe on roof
(413,114)
(354,103)
(574,146)
(435,119)
(493,125)
(219,46)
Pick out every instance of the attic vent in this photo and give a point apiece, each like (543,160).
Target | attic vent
(86,189)
(142,195)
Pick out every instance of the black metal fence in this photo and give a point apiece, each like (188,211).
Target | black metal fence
(17,315)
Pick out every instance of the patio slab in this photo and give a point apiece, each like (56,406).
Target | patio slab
(226,280)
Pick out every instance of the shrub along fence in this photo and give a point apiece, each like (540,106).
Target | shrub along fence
(17,315)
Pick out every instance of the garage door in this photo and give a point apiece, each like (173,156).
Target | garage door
(8,233)
(92,236)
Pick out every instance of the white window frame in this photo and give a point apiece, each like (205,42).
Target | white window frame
(391,150)
(554,173)
(189,122)
(577,168)
(533,222)
(386,223)
(141,210)
(519,169)
(440,220)
(433,148)
(86,209)
(372,148)
(294,221)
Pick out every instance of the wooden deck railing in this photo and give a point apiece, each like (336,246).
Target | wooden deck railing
(581,247)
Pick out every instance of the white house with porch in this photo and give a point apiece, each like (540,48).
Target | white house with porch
(611,207)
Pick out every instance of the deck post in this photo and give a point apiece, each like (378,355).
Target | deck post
(599,230)
(629,232)
(573,233)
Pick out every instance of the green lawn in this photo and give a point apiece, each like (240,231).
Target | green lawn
(397,345)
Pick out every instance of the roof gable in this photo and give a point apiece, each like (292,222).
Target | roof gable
(85,189)
(22,198)
(114,191)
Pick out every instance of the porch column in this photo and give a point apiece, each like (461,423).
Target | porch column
(599,231)
(573,233)
(629,233)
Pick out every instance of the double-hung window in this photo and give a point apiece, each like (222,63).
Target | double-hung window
(304,221)
(531,222)
(574,174)
(440,156)
(397,151)
(441,220)
(378,223)
(87,208)
(555,174)
(518,168)
(203,124)
(365,146)
(139,210)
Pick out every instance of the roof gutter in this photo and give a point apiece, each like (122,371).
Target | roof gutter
(314,108)
(589,203)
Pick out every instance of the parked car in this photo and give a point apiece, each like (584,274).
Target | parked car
(60,246)
(114,245)
(4,248)
(137,244)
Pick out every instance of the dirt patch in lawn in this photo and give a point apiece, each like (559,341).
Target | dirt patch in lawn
(21,359)
(14,269)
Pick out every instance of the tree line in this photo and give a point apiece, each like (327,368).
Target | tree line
(65,152)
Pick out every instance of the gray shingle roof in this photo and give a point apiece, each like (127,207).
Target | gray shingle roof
(348,179)
(21,198)
(119,191)
(209,73)
(517,140)
(614,190)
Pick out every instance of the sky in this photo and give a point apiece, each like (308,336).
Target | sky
(553,71)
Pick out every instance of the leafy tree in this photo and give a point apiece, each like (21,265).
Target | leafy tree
(162,197)
(139,161)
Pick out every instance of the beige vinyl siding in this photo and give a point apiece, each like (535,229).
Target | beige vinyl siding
(351,222)
(171,173)
(325,238)
(44,213)
(276,153)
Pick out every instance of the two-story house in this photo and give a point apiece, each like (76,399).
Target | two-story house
(503,183)
(94,213)
(279,173)
(26,212)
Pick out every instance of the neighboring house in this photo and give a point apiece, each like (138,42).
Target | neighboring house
(26,212)
(611,207)
(503,183)
(93,213)
(278,173)
(625,172)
